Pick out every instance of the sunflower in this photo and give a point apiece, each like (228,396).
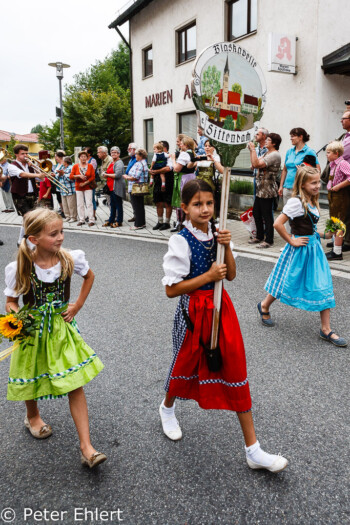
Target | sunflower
(10,326)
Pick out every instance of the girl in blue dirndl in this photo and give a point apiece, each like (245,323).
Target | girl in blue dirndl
(301,276)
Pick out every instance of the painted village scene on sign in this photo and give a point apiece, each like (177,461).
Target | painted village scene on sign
(230,92)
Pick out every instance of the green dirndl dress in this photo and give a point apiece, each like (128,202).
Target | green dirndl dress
(176,197)
(58,360)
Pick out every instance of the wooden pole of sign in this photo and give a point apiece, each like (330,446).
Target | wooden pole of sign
(225,190)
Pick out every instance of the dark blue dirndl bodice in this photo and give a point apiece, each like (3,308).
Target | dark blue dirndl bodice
(203,256)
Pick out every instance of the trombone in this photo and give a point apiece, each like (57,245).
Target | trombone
(45,166)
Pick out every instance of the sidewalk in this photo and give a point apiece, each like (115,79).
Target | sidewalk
(240,235)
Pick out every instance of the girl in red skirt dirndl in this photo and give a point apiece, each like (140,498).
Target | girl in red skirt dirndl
(190,272)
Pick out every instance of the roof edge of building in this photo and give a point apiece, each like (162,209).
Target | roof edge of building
(128,12)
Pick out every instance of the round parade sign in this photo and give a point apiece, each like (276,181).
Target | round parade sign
(229,93)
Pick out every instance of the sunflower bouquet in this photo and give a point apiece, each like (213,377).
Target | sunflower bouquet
(335,225)
(16,327)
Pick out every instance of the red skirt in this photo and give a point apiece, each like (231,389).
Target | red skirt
(190,377)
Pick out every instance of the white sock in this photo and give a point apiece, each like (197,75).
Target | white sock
(160,219)
(168,411)
(256,454)
(337,249)
(167,221)
(21,234)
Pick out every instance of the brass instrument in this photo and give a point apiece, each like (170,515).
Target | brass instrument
(45,166)
(4,154)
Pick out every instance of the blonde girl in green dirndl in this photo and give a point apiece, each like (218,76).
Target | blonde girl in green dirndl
(57,361)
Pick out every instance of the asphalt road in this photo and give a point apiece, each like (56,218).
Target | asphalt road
(300,391)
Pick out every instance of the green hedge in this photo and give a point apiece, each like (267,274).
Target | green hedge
(242,187)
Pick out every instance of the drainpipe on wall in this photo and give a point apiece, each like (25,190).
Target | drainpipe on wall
(131,82)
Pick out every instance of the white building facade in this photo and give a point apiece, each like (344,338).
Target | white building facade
(165,38)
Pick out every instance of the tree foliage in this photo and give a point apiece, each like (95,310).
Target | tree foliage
(237,88)
(104,75)
(239,122)
(50,136)
(229,123)
(211,82)
(98,118)
(11,145)
(96,107)
(37,129)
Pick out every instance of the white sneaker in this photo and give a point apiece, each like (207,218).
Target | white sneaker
(278,465)
(170,424)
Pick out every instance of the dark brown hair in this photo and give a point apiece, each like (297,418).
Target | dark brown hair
(276,139)
(192,187)
(300,132)
(19,147)
(189,191)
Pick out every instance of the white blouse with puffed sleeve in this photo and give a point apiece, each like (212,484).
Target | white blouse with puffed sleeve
(177,260)
(294,208)
(47,275)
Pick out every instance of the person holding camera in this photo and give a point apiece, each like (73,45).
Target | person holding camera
(266,189)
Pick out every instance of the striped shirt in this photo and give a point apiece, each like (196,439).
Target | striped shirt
(339,172)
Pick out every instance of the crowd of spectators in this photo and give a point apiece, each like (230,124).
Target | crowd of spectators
(80,183)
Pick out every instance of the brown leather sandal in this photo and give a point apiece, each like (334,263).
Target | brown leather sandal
(106,224)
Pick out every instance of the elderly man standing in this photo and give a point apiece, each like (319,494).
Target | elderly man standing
(106,160)
(132,154)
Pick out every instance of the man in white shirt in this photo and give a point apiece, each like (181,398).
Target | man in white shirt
(23,187)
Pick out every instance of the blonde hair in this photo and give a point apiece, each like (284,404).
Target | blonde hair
(188,142)
(159,146)
(34,223)
(303,174)
(336,147)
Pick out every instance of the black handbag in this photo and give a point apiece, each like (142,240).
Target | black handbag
(213,355)
(106,190)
